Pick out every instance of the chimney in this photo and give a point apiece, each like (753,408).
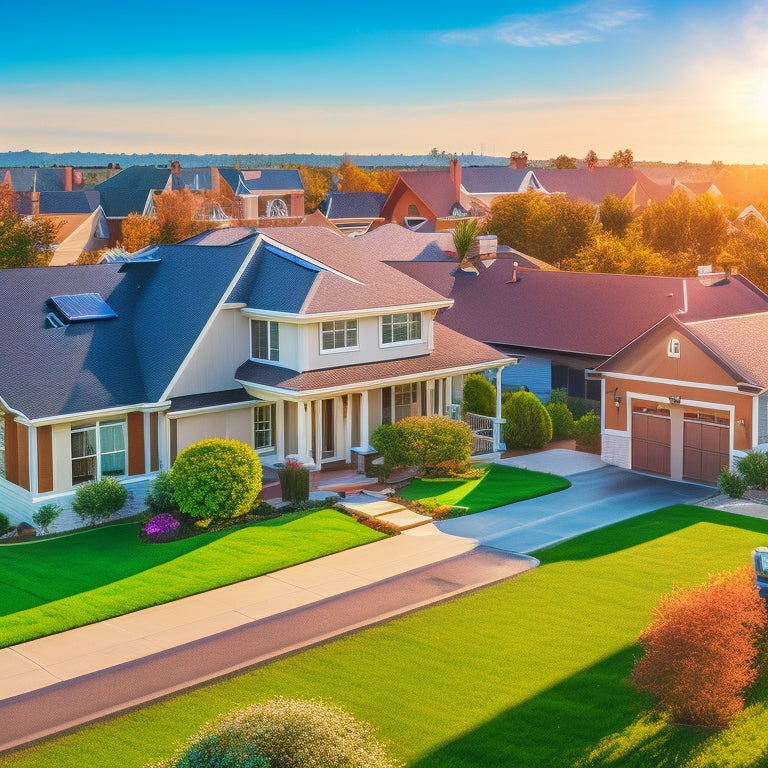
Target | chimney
(514,273)
(35,198)
(67,178)
(455,171)
(518,160)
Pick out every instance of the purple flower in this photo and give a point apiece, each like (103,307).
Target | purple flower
(162,523)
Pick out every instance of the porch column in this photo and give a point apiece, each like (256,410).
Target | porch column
(346,414)
(304,432)
(318,414)
(279,427)
(147,443)
(163,441)
(447,393)
(32,447)
(364,420)
(430,398)
(498,444)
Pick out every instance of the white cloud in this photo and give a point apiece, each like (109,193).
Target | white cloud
(574,25)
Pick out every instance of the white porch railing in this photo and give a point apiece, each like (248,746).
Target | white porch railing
(482,432)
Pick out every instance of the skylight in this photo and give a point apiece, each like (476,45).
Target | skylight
(82,307)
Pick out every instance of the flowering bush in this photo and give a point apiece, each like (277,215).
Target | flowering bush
(293,464)
(162,523)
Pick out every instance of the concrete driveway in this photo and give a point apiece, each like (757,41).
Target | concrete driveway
(597,497)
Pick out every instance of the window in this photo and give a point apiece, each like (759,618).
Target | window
(401,327)
(413,210)
(674,348)
(406,394)
(98,450)
(262,427)
(337,335)
(265,340)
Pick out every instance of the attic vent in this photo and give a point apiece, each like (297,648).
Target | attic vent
(81,307)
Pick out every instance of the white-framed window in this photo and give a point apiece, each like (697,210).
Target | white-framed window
(262,427)
(338,335)
(406,394)
(673,350)
(401,328)
(99,450)
(265,340)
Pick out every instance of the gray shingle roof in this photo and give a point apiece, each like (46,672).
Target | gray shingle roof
(495,179)
(42,179)
(352,205)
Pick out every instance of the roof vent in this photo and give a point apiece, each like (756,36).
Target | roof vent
(53,320)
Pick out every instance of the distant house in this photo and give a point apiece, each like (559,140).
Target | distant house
(268,193)
(294,340)
(80,222)
(481,185)
(354,213)
(687,397)
(64,179)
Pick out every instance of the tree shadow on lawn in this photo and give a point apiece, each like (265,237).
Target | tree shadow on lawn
(94,558)
(645,528)
(594,719)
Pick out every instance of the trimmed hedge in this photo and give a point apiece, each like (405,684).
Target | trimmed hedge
(528,423)
(216,478)
(479,396)
(562,420)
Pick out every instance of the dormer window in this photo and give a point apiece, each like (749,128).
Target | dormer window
(673,350)
(265,340)
(401,328)
(338,335)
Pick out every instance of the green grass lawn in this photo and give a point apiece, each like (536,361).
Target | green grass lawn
(55,584)
(498,486)
(532,672)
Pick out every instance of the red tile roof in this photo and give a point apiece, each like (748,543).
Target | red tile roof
(453,353)
(435,188)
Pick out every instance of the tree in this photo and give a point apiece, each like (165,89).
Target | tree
(746,248)
(216,478)
(283,733)
(139,232)
(701,649)
(25,241)
(591,159)
(563,162)
(615,215)
(464,234)
(622,158)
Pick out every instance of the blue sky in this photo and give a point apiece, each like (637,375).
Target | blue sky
(673,81)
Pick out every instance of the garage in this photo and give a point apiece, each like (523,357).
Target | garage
(706,447)
(651,441)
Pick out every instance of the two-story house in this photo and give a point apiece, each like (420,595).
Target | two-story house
(292,340)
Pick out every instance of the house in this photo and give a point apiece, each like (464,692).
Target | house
(264,194)
(79,218)
(354,213)
(686,397)
(561,324)
(481,185)
(59,179)
(294,340)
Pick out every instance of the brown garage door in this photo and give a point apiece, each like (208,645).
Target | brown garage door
(650,443)
(706,450)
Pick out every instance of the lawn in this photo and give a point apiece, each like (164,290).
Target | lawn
(498,486)
(106,572)
(531,672)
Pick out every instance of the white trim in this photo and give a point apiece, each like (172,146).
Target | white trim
(211,319)
(755,421)
(147,443)
(679,383)
(343,314)
(665,400)
(335,350)
(308,259)
(106,413)
(33,470)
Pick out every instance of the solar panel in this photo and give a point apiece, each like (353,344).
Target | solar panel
(82,306)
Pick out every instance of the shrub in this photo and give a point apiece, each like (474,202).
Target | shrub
(754,469)
(45,517)
(96,501)
(562,420)
(528,423)
(586,430)
(479,396)
(294,482)
(160,497)
(558,396)
(437,443)
(731,483)
(283,733)
(5,523)
(216,478)
(701,649)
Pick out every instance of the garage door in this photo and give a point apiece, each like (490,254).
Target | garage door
(706,450)
(651,443)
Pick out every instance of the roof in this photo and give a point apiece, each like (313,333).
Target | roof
(393,242)
(451,351)
(271,179)
(434,187)
(41,179)
(575,312)
(352,205)
(83,201)
(497,180)
(594,186)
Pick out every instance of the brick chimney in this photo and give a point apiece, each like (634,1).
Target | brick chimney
(68,178)
(518,160)
(455,171)
(35,198)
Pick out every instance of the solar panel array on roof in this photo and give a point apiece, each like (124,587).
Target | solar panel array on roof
(82,306)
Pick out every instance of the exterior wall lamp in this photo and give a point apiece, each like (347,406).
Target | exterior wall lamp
(616,398)
(674,399)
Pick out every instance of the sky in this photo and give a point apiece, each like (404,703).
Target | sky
(673,81)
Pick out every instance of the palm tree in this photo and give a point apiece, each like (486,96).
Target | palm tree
(463,235)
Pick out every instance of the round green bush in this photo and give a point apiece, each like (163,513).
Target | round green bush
(562,420)
(528,423)
(216,478)
(731,483)
(479,396)
(99,500)
(283,733)
(754,469)
(159,497)
(586,430)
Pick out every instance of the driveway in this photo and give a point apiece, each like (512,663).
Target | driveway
(596,498)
